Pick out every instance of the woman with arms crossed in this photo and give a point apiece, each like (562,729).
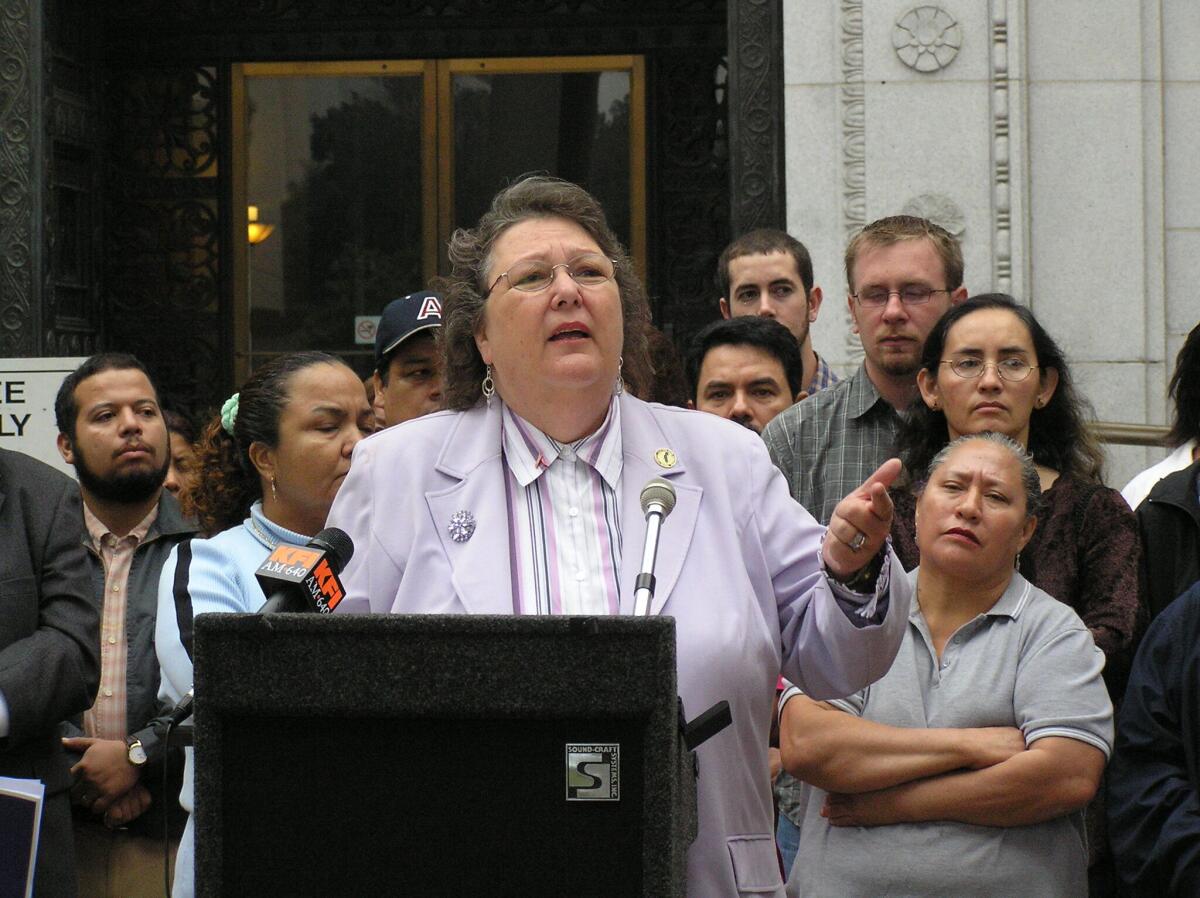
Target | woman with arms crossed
(269,467)
(964,771)
(524,500)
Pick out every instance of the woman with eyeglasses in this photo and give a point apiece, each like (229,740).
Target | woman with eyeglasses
(989,365)
(523,499)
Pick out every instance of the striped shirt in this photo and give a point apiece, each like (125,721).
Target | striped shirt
(563,521)
(106,718)
(827,445)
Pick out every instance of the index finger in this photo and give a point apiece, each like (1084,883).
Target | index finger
(885,474)
(881,503)
(78,743)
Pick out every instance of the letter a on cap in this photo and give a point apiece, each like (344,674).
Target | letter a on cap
(431,307)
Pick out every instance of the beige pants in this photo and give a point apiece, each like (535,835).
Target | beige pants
(117,864)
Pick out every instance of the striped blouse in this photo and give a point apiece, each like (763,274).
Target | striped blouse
(563,521)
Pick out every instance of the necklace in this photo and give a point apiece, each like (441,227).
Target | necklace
(271,541)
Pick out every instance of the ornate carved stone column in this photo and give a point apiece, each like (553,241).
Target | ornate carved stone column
(20,177)
(758,197)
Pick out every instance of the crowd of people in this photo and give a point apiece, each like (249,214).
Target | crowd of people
(957,662)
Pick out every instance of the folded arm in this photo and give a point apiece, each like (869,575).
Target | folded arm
(1055,776)
(839,752)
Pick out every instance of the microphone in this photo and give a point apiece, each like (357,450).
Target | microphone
(295,578)
(658,500)
(304,578)
(182,710)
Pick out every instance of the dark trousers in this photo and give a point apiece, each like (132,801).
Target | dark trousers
(56,851)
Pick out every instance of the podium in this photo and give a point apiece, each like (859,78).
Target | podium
(439,755)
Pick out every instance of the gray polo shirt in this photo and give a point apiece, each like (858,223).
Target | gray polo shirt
(1030,663)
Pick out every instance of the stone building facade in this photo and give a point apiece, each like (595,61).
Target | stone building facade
(1057,140)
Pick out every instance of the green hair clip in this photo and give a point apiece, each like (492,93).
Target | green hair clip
(229,413)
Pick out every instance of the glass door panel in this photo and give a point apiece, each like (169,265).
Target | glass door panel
(578,118)
(335,179)
(560,124)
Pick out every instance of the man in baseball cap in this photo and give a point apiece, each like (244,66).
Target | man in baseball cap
(408,364)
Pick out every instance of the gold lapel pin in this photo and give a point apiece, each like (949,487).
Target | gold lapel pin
(665,458)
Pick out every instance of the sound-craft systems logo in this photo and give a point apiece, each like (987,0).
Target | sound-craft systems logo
(593,772)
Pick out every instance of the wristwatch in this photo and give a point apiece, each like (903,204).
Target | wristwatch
(134,751)
(864,579)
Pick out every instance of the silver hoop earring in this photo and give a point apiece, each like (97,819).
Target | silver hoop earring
(488,387)
(619,386)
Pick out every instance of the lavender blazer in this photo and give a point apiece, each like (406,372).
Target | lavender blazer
(737,567)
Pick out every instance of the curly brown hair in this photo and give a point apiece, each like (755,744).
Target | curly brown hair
(470,252)
(227,483)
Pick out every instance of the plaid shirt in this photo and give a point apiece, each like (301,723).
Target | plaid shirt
(832,441)
(823,377)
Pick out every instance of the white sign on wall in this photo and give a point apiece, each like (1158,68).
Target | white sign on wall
(365,327)
(27,391)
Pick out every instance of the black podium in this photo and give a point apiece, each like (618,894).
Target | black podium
(439,755)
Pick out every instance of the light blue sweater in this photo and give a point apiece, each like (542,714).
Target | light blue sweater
(220,578)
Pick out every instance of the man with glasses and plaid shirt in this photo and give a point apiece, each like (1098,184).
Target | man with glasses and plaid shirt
(903,273)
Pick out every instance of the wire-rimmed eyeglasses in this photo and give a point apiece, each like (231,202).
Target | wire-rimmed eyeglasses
(532,275)
(1013,369)
(912,295)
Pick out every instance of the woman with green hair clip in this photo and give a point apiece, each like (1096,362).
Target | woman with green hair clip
(269,466)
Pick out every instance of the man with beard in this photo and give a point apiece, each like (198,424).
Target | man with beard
(111,430)
(903,274)
(745,369)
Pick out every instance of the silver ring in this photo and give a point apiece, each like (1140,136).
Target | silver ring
(860,540)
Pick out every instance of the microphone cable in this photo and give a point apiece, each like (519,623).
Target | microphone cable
(166,809)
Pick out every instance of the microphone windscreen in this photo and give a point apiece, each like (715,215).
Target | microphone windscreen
(338,546)
(660,492)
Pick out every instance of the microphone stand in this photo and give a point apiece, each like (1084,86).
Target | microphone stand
(658,501)
(644,585)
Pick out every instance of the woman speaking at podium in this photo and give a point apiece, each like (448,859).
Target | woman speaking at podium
(523,499)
